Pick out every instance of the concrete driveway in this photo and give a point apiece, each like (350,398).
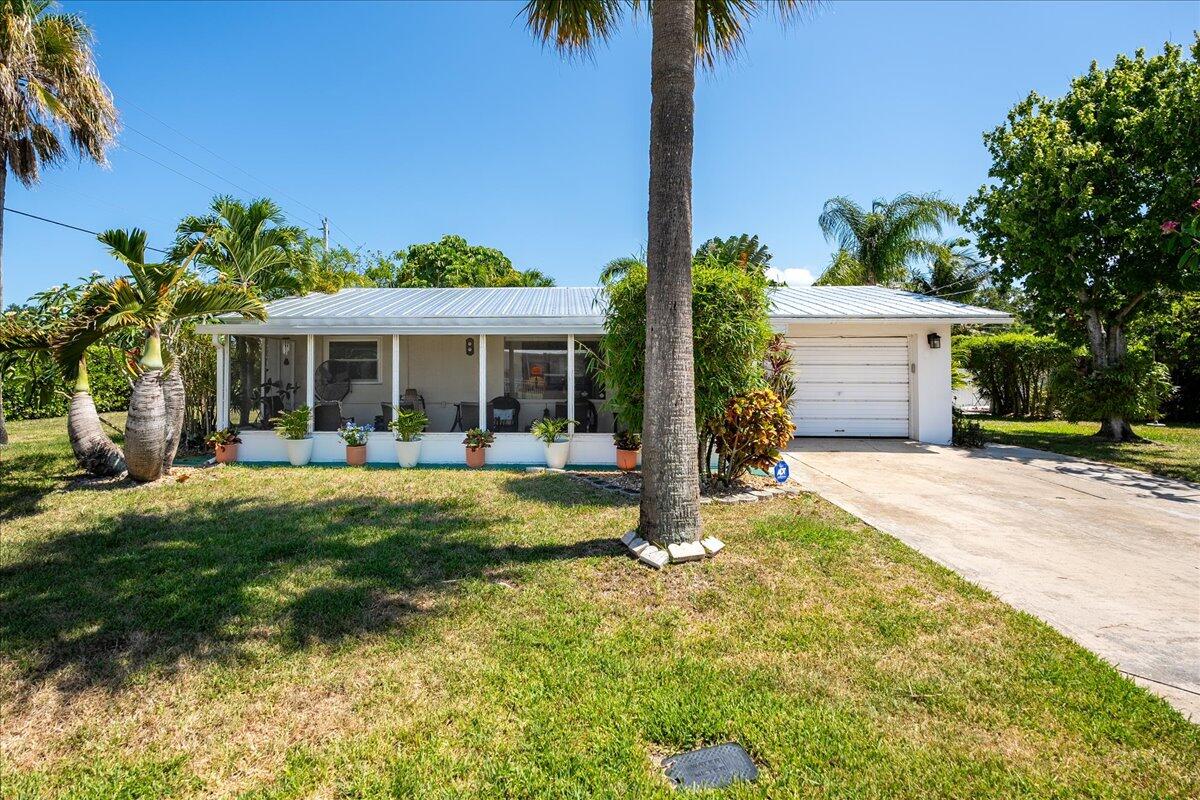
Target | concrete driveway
(1110,557)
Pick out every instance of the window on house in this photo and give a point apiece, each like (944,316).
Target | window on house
(361,358)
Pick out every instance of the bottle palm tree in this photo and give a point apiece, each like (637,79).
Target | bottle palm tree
(880,245)
(155,298)
(682,34)
(49,87)
(248,245)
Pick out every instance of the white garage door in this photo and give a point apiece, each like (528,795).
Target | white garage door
(851,386)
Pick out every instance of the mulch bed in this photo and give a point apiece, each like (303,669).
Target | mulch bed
(751,488)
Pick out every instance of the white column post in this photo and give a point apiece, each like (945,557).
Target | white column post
(222,383)
(395,373)
(481,351)
(310,367)
(571,381)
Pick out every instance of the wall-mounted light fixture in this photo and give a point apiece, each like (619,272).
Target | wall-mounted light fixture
(470,346)
(935,341)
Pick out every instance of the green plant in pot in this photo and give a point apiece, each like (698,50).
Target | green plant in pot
(225,444)
(355,437)
(408,426)
(292,427)
(477,441)
(628,444)
(553,433)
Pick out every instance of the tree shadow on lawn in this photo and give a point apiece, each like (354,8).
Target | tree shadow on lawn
(93,607)
(25,479)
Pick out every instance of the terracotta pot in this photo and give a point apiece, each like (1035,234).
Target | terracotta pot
(627,459)
(226,453)
(356,456)
(475,457)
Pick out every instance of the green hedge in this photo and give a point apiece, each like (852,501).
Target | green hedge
(1013,371)
(34,387)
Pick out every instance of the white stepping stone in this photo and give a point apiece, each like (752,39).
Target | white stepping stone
(687,551)
(653,557)
(712,545)
(638,545)
(628,537)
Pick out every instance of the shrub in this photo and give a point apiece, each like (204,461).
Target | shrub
(1013,370)
(967,432)
(1134,390)
(750,433)
(779,374)
(730,332)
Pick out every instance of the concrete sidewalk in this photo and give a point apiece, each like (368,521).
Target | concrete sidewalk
(1108,556)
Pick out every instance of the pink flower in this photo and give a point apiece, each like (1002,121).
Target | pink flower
(1196,205)
(1169,226)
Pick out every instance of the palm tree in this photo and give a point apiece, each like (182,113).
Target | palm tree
(879,246)
(49,87)
(743,251)
(956,270)
(683,32)
(249,245)
(33,329)
(616,270)
(155,298)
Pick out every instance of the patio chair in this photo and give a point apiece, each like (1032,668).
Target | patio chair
(504,412)
(466,415)
(585,412)
(327,416)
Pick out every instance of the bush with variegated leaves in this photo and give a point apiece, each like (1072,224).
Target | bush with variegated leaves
(751,432)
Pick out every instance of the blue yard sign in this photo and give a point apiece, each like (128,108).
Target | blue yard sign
(781,471)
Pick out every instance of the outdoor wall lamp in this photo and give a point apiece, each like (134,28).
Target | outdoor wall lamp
(935,341)
(470,346)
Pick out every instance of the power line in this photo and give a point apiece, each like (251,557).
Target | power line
(68,225)
(169,167)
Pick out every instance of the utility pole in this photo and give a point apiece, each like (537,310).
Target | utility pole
(325,230)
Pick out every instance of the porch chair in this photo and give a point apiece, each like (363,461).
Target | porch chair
(585,411)
(504,412)
(327,416)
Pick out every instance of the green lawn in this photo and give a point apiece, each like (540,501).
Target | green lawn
(1173,451)
(326,632)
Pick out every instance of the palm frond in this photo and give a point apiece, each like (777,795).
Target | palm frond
(572,27)
(210,299)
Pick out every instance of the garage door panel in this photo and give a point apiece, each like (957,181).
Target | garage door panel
(851,355)
(852,391)
(852,409)
(851,427)
(851,386)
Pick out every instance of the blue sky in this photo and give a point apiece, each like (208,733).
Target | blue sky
(405,121)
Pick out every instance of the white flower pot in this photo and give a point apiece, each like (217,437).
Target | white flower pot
(408,453)
(557,454)
(299,451)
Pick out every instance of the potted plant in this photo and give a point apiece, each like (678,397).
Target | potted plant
(553,434)
(292,427)
(407,426)
(628,444)
(355,437)
(225,443)
(477,440)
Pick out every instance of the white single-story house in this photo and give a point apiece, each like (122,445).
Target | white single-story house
(869,361)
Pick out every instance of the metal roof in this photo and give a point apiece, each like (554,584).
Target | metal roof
(564,309)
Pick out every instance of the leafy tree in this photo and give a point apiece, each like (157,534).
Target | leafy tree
(154,299)
(49,87)
(731,329)
(682,34)
(881,245)
(451,262)
(1172,334)
(1080,187)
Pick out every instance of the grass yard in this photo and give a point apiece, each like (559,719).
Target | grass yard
(327,632)
(1173,451)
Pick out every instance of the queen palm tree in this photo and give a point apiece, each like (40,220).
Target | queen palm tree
(248,245)
(683,32)
(880,245)
(155,298)
(49,87)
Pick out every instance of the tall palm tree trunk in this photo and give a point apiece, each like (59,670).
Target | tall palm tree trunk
(670,506)
(94,451)
(3,181)
(174,398)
